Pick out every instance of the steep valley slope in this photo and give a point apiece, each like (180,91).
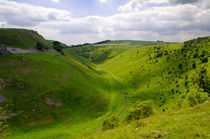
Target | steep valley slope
(50,95)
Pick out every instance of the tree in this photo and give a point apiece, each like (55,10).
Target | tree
(111,122)
(140,110)
(58,47)
(39,46)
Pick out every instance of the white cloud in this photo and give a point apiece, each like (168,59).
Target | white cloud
(173,22)
(56,1)
(102,1)
(28,15)
(136,5)
(3,24)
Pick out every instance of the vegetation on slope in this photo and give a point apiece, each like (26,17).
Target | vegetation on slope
(22,38)
(48,88)
(48,95)
(174,76)
(186,123)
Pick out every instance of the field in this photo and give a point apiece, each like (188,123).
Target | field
(49,95)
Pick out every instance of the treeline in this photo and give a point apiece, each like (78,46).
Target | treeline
(102,42)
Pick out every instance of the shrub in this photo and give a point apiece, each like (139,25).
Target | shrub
(140,110)
(58,47)
(3,130)
(194,66)
(180,66)
(111,123)
(39,46)
(204,60)
(196,96)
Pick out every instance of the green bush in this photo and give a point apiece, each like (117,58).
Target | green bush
(3,130)
(111,122)
(196,96)
(39,46)
(140,110)
(58,47)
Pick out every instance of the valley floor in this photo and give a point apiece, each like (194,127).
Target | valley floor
(186,123)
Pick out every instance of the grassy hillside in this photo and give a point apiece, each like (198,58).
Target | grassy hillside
(160,73)
(22,38)
(173,76)
(185,123)
(47,91)
(49,95)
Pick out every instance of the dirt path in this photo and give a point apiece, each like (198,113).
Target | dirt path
(125,93)
(121,86)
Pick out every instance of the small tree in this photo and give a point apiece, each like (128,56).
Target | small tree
(196,96)
(39,46)
(140,110)
(58,47)
(111,122)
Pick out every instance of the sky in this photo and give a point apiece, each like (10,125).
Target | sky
(88,21)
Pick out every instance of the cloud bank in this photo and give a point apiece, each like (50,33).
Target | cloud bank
(168,20)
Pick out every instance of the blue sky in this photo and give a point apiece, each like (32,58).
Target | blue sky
(82,21)
(81,8)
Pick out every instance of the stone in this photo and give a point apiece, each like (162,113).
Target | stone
(2,99)
(49,101)
(3,50)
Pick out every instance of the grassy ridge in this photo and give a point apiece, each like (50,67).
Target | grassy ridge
(21,38)
(155,72)
(174,76)
(75,93)
(56,96)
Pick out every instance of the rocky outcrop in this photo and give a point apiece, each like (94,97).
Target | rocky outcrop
(3,50)
(21,51)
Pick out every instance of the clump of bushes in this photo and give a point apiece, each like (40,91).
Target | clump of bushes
(58,47)
(111,123)
(140,110)
(40,46)
(204,60)
(3,129)
(196,96)
(4,132)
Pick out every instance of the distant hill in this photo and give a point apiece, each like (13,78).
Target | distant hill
(22,38)
(132,42)
(63,45)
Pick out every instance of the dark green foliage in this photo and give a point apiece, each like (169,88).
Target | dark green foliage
(201,79)
(180,66)
(204,60)
(111,123)
(159,55)
(140,110)
(195,55)
(3,130)
(196,96)
(39,46)
(58,47)
(4,127)
(194,66)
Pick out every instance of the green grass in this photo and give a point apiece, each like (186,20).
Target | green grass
(154,73)
(88,84)
(85,94)
(21,38)
(184,123)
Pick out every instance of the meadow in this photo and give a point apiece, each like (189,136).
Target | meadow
(70,95)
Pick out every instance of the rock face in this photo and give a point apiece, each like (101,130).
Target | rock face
(3,50)
(2,99)
(21,51)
